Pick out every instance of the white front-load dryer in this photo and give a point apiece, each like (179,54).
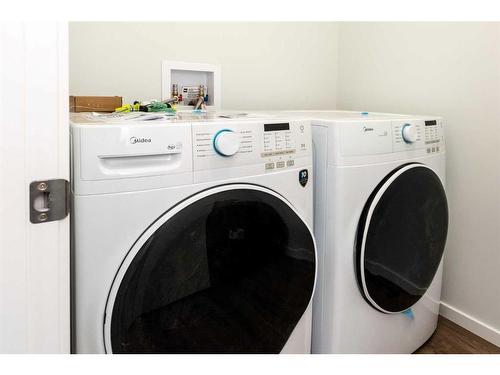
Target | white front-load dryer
(381,220)
(192,237)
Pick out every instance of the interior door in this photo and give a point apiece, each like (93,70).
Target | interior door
(34,146)
(401,237)
(230,270)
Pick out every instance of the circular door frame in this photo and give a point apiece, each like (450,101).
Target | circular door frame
(129,257)
(373,204)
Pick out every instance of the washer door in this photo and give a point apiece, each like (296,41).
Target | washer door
(229,270)
(401,237)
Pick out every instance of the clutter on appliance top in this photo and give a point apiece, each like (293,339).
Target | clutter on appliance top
(125,116)
(94,103)
(167,106)
(103,118)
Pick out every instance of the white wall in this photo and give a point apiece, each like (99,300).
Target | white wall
(452,70)
(264,65)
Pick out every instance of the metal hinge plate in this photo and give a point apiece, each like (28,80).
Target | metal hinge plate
(49,200)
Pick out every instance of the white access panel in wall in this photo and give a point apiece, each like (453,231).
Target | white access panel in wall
(192,74)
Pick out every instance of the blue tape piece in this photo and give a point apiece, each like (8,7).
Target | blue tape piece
(409,313)
(364,113)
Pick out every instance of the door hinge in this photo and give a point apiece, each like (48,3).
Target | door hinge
(49,200)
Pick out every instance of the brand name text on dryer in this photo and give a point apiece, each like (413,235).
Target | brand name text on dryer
(134,140)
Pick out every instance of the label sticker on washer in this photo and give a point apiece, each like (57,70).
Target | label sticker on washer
(303,177)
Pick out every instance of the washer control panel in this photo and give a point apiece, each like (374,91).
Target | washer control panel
(434,138)
(272,145)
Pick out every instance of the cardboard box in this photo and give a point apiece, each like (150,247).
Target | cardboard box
(94,103)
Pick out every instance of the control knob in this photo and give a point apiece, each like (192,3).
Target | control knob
(409,133)
(226,142)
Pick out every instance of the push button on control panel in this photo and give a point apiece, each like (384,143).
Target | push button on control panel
(280,164)
(269,166)
(290,163)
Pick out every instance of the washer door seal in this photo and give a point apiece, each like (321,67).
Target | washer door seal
(229,270)
(401,238)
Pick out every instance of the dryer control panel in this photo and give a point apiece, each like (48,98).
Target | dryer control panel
(418,134)
(267,145)
(375,137)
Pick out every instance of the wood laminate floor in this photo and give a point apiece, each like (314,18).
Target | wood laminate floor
(450,338)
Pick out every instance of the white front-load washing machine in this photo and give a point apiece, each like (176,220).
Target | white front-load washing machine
(381,220)
(192,237)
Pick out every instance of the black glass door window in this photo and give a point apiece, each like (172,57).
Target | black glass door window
(404,238)
(232,272)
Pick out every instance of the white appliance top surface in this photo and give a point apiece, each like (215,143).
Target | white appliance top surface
(346,115)
(330,116)
(144,118)
(233,116)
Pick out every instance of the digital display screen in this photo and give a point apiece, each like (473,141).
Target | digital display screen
(430,122)
(276,127)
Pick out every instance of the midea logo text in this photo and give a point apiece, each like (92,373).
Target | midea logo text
(135,140)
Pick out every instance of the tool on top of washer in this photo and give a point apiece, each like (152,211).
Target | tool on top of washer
(153,106)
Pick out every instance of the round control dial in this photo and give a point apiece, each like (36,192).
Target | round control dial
(409,133)
(226,142)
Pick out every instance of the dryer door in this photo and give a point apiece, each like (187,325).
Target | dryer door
(229,270)
(401,237)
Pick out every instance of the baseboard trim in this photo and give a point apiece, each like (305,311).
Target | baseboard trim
(470,323)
